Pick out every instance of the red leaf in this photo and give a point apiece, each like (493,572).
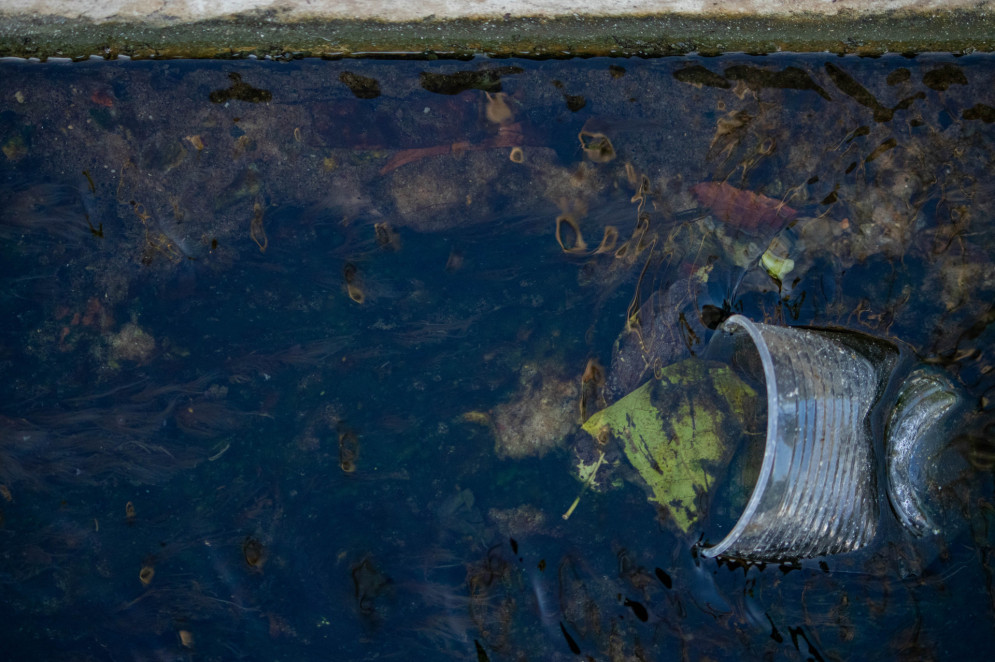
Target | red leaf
(102,98)
(743,209)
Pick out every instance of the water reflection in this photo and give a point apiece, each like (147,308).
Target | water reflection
(330,329)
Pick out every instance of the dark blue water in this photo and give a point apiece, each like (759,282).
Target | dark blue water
(292,354)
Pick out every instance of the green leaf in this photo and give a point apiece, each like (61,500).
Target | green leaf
(679,432)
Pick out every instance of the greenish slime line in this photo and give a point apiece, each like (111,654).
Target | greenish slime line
(265,34)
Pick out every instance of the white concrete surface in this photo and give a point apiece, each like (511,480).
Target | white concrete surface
(171,11)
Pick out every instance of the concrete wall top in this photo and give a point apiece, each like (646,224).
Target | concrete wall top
(459,28)
(160,11)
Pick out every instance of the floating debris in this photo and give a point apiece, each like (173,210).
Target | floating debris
(915,440)
(539,415)
(676,430)
(256,229)
(348,450)
(743,209)
(596,146)
(362,87)
(351,275)
(240,91)
(254,553)
(146,574)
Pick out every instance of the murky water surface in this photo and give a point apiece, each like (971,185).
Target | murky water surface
(295,355)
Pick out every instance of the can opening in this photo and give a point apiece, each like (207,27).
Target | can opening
(732,493)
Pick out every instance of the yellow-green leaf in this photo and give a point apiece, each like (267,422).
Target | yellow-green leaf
(679,431)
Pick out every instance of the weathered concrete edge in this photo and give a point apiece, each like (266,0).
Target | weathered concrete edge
(265,35)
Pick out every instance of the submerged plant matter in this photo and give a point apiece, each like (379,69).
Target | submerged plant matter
(675,430)
(332,328)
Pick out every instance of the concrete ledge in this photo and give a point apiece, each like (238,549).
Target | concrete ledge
(443,28)
(158,12)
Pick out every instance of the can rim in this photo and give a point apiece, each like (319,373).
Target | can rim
(770,383)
